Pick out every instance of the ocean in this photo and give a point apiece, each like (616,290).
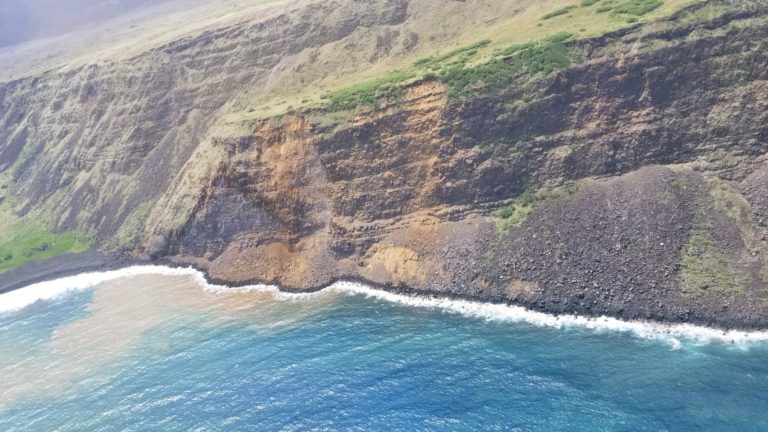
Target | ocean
(156,349)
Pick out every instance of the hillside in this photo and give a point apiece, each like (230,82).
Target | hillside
(597,157)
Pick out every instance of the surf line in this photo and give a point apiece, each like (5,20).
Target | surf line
(672,333)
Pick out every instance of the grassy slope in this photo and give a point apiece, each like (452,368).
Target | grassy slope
(23,241)
(535,23)
(707,267)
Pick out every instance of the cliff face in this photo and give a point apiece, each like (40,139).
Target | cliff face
(631,183)
(641,167)
(99,140)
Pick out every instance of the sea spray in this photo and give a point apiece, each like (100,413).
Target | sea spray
(670,333)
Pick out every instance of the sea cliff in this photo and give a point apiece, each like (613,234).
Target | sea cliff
(619,172)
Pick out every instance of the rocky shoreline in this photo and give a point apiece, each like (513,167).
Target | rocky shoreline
(60,267)
(75,264)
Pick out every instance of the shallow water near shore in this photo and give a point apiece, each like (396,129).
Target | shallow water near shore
(158,349)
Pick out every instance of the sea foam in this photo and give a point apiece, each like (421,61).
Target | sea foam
(670,333)
(49,290)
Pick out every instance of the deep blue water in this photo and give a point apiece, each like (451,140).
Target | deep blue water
(356,363)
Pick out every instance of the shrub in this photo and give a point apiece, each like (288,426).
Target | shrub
(558,12)
(559,37)
(468,51)
(369,92)
(637,7)
(514,63)
(518,210)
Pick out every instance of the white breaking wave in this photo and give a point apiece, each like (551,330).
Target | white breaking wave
(671,333)
(49,290)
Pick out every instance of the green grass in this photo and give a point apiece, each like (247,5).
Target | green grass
(507,66)
(514,64)
(558,12)
(730,203)
(368,93)
(637,7)
(24,242)
(633,8)
(706,267)
(516,212)
(127,234)
(523,26)
(559,37)
(467,51)
(535,49)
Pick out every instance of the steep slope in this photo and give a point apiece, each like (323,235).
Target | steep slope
(23,20)
(614,171)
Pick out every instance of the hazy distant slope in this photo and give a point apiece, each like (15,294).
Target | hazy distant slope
(22,20)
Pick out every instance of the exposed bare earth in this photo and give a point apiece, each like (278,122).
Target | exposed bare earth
(632,183)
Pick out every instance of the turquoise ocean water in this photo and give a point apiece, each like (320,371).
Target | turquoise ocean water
(161,353)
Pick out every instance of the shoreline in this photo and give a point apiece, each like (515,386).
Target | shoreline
(670,331)
(62,266)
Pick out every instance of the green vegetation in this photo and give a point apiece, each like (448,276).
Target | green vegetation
(707,267)
(635,8)
(368,93)
(310,89)
(524,61)
(708,12)
(477,69)
(24,242)
(558,12)
(131,228)
(456,71)
(732,204)
(466,52)
(559,37)
(516,212)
